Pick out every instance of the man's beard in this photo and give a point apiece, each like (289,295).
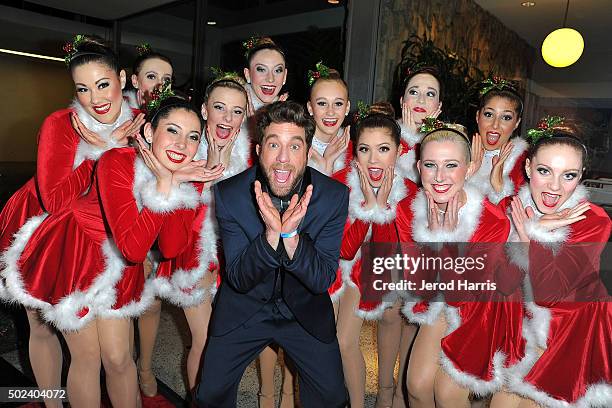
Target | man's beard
(283,191)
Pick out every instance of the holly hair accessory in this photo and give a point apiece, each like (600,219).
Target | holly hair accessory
(221,75)
(431,124)
(544,128)
(143,49)
(72,48)
(253,42)
(498,83)
(159,94)
(321,71)
(362,111)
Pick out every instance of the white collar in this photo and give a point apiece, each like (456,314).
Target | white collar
(469,218)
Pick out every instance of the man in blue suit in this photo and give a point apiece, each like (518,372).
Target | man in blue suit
(281,226)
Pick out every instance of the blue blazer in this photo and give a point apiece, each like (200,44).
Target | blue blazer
(251,263)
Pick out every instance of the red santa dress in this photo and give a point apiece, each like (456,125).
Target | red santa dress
(64,169)
(85,261)
(361,227)
(575,369)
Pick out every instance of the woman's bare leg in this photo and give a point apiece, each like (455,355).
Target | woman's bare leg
(423,364)
(45,355)
(119,366)
(148,324)
(83,382)
(349,329)
(198,318)
(505,399)
(408,333)
(448,393)
(388,337)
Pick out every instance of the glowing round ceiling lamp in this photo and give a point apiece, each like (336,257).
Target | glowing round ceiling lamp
(564,46)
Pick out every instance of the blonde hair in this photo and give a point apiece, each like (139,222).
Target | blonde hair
(451,132)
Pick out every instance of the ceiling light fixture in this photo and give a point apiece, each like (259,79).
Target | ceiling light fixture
(528,3)
(211,22)
(27,54)
(564,46)
(333,1)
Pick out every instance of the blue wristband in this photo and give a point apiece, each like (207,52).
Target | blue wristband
(289,234)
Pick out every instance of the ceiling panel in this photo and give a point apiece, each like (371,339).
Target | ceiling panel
(106,10)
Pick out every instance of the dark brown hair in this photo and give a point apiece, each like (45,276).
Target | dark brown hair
(380,115)
(94,49)
(284,112)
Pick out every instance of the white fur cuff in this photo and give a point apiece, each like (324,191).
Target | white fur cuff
(507,190)
(537,233)
(183,196)
(406,166)
(408,136)
(518,255)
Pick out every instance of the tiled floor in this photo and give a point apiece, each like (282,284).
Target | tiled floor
(171,351)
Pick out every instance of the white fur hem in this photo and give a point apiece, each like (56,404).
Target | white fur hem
(538,324)
(64,315)
(429,317)
(335,297)
(374,314)
(376,214)
(15,289)
(476,385)
(596,396)
(183,289)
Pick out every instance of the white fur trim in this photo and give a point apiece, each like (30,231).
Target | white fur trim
(537,233)
(408,136)
(597,395)
(130,97)
(539,323)
(4,295)
(406,166)
(374,314)
(146,194)
(482,179)
(100,296)
(335,297)
(183,289)
(239,158)
(15,288)
(257,103)
(376,214)
(469,218)
(339,163)
(474,384)
(517,252)
(86,151)
(434,308)
(520,145)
